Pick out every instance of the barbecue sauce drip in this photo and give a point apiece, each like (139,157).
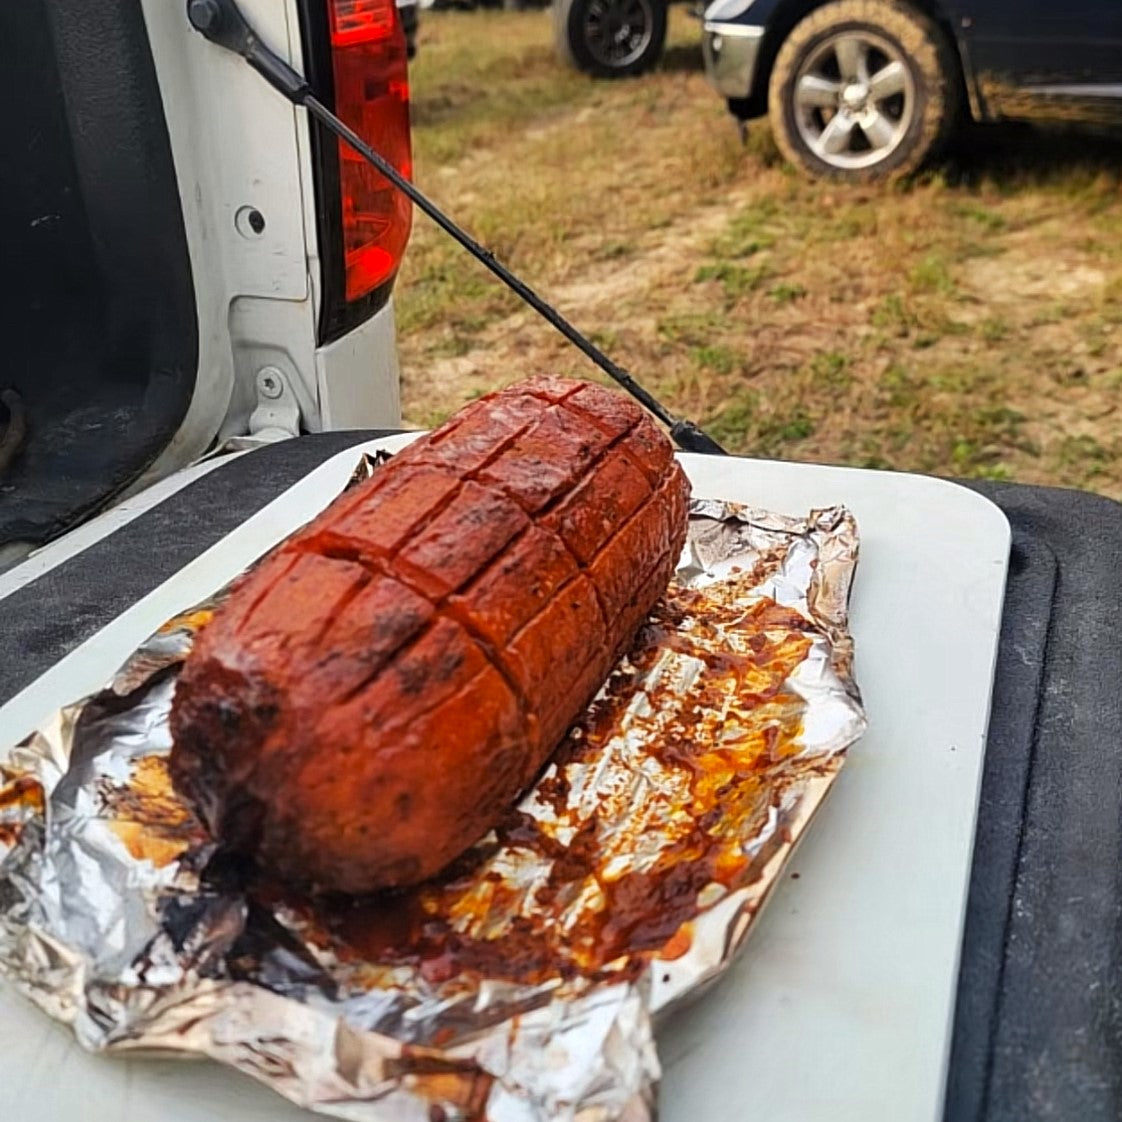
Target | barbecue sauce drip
(149,817)
(584,917)
(21,797)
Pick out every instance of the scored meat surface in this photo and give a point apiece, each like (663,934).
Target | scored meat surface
(379,690)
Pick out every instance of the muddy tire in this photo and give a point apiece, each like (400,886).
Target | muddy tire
(863,90)
(610,38)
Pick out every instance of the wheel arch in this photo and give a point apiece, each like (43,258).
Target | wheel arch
(786,14)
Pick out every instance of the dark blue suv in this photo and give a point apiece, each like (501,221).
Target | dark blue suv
(868,89)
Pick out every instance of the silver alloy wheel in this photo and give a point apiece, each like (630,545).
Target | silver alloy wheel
(617,32)
(854,98)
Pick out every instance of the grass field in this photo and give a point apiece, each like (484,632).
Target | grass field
(966,324)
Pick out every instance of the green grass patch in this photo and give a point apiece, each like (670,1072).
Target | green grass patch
(931,274)
(719,358)
(736,280)
(787,292)
(735,422)
(978,215)
(774,434)
(994,329)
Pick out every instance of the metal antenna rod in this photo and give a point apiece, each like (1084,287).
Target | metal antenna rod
(322,114)
(222,22)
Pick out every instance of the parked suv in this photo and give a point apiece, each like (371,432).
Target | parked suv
(868,89)
(188,261)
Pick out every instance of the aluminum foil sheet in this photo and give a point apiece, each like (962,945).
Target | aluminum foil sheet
(523,985)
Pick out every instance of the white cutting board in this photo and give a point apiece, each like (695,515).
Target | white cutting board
(840,1008)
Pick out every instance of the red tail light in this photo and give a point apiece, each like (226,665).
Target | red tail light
(372,96)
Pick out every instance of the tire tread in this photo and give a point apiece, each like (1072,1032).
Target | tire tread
(932,55)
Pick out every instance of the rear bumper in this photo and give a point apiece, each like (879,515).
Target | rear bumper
(731,52)
(358,382)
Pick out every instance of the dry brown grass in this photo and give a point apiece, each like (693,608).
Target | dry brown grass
(967,324)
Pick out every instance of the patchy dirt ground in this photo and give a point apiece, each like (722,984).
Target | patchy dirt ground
(967,324)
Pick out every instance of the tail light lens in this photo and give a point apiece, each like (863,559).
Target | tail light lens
(372,96)
(355,59)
